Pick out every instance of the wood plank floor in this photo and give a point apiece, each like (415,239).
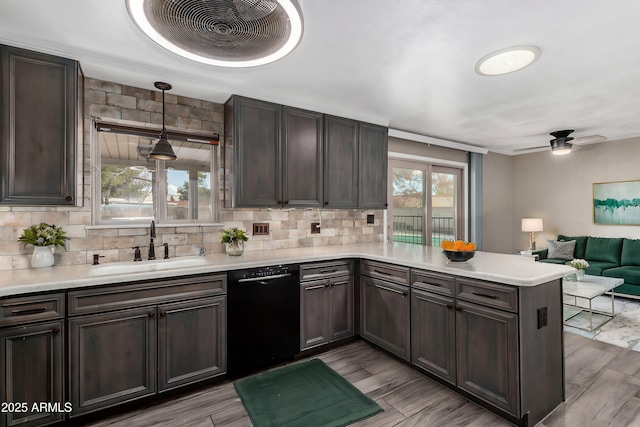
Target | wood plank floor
(602,382)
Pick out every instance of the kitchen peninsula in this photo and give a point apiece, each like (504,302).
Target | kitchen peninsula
(490,328)
(508,269)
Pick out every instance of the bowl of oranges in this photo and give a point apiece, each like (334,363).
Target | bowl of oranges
(457,250)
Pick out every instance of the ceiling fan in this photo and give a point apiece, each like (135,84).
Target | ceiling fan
(561,143)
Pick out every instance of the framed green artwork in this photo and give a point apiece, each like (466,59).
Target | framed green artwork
(616,203)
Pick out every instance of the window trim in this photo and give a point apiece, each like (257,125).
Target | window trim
(392,155)
(147,130)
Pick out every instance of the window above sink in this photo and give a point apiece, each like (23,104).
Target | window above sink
(132,188)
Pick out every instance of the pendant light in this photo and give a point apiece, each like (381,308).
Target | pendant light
(162,150)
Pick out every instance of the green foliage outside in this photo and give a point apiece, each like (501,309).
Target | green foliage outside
(126,183)
(203,192)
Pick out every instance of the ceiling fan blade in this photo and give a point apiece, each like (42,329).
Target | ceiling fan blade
(591,139)
(518,150)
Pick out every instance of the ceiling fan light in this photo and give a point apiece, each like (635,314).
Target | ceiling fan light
(560,148)
(507,60)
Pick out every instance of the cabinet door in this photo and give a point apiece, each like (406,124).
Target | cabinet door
(191,341)
(433,332)
(487,343)
(314,313)
(39,128)
(340,163)
(31,364)
(302,150)
(257,157)
(341,307)
(372,180)
(112,358)
(385,315)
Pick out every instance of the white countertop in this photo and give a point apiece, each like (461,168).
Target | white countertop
(509,269)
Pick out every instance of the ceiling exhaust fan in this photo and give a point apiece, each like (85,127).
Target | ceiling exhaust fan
(561,143)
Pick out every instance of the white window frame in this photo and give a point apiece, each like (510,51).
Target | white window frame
(392,155)
(160,199)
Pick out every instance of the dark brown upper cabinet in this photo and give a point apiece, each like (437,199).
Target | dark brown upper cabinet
(341,163)
(372,176)
(355,174)
(252,153)
(302,152)
(279,156)
(42,97)
(273,155)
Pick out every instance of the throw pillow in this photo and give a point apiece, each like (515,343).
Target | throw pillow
(561,250)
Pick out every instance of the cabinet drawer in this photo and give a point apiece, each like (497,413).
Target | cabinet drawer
(389,272)
(129,295)
(488,294)
(325,269)
(31,309)
(434,282)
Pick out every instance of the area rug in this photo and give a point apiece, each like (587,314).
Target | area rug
(307,394)
(623,330)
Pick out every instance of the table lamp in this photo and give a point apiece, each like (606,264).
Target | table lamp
(532,225)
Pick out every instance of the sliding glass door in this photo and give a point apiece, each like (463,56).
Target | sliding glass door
(426,203)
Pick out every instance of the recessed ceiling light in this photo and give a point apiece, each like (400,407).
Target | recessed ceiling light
(242,33)
(507,60)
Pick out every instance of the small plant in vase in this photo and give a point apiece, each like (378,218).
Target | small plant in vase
(44,237)
(234,239)
(580,265)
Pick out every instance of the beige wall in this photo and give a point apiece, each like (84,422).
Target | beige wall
(426,150)
(558,189)
(289,228)
(497,203)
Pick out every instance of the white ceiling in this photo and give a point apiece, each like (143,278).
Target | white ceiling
(408,64)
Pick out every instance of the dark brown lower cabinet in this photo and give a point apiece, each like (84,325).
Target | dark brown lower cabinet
(134,340)
(326,311)
(31,360)
(433,332)
(112,358)
(487,342)
(191,341)
(385,315)
(490,341)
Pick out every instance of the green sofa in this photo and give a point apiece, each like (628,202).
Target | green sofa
(607,256)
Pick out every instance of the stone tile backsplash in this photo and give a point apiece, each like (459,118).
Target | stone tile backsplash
(289,228)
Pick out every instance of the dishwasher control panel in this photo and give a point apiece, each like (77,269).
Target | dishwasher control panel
(264,272)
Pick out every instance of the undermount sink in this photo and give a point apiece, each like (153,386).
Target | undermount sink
(125,267)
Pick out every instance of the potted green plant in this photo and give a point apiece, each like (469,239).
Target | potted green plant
(44,238)
(580,265)
(234,239)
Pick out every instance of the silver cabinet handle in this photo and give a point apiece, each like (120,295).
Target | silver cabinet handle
(484,295)
(391,290)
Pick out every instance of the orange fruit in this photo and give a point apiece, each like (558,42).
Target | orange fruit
(471,246)
(447,245)
(459,246)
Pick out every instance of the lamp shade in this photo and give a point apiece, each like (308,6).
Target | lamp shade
(531,224)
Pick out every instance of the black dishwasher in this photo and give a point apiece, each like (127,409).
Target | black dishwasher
(263,323)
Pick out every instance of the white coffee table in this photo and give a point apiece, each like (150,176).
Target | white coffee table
(589,288)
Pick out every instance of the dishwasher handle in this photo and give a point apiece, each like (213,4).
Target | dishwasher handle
(264,279)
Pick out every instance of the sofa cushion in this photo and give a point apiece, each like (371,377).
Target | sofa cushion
(626,289)
(630,252)
(581,244)
(597,267)
(561,250)
(605,249)
(630,274)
